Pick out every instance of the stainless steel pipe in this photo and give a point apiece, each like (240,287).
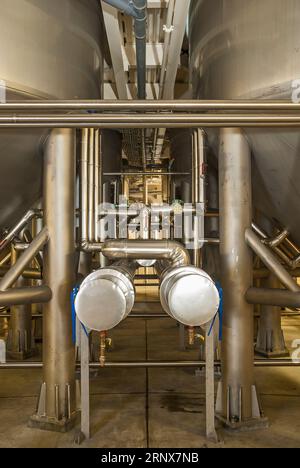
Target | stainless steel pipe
(140,121)
(84,185)
(235,193)
(152,364)
(270,261)
(150,106)
(57,403)
(22,296)
(171,251)
(91,168)
(29,273)
(24,260)
(273,297)
(10,236)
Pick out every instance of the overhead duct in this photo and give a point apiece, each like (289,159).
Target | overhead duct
(106,297)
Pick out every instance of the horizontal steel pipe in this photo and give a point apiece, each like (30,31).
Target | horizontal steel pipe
(144,250)
(10,236)
(153,364)
(270,261)
(34,317)
(150,174)
(24,260)
(22,296)
(131,316)
(117,121)
(149,106)
(273,297)
(30,273)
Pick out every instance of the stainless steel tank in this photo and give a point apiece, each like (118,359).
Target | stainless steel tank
(48,50)
(250,49)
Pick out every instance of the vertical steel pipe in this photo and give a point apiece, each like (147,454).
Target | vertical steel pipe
(91,185)
(20,340)
(236,391)
(57,407)
(84,185)
(97,181)
(270,337)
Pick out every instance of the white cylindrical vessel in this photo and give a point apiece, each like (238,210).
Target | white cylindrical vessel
(189,295)
(105,298)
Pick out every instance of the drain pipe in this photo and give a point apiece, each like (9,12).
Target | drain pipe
(125,6)
(140,7)
(138,10)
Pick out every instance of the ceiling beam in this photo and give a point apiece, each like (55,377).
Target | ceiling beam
(111,21)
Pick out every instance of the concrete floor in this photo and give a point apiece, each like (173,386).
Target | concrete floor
(156,408)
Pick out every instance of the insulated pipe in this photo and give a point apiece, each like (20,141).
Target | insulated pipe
(273,297)
(187,293)
(106,297)
(21,296)
(57,403)
(235,193)
(24,260)
(270,261)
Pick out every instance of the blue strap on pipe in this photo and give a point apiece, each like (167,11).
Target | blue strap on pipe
(219,313)
(73,297)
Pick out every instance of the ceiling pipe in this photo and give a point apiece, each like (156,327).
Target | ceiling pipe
(125,6)
(140,24)
(137,9)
